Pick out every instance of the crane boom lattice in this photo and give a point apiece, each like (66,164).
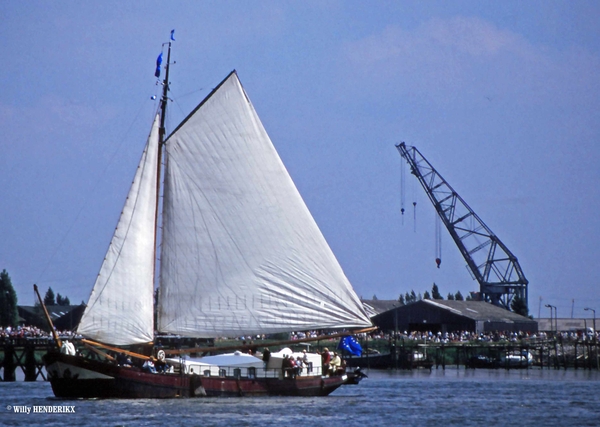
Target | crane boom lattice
(492,264)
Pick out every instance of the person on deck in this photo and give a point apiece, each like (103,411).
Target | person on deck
(266,356)
(123,360)
(299,365)
(149,366)
(286,366)
(293,367)
(326,359)
(306,362)
(335,363)
(161,366)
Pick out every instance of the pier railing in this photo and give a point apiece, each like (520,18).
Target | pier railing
(557,352)
(23,355)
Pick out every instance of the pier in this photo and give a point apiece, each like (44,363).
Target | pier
(550,353)
(24,355)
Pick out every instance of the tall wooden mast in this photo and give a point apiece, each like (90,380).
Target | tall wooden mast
(161,141)
(163,101)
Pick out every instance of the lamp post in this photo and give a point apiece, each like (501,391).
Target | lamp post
(595,336)
(552,307)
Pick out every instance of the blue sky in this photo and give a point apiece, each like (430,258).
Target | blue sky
(501,97)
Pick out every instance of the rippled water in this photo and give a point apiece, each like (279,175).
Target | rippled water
(454,397)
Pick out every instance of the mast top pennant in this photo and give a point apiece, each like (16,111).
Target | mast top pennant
(159,59)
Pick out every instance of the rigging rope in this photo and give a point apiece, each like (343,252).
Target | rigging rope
(85,204)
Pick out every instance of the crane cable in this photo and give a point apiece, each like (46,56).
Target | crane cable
(402,188)
(414,197)
(438,240)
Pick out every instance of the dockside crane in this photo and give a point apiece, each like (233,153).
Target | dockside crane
(492,264)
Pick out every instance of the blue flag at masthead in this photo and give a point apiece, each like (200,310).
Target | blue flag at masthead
(158,62)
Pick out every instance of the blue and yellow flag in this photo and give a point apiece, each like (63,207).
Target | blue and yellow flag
(351,345)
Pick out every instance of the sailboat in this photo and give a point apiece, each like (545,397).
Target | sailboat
(239,255)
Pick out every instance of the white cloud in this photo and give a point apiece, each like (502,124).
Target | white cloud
(455,58)
(469,35)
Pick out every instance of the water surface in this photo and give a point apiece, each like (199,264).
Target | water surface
(454,397)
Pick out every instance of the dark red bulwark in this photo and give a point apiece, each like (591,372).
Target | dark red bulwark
(80,377)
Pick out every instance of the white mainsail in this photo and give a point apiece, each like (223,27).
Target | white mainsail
(120,310)
(241,253)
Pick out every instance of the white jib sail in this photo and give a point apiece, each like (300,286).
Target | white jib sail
(241,253)
(120,310)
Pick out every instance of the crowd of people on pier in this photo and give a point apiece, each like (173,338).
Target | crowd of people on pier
(427,336)
(496,336)
(10,332)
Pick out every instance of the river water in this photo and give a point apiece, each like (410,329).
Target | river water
(451,397)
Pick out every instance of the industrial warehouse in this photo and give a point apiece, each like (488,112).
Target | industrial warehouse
(448,316)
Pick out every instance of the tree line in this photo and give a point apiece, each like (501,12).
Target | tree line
(59,300)
(9,314)
(407,298)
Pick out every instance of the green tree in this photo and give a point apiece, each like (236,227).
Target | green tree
(9,314)
(413,296)
(401,299)
(435,292)
(49,297)
(519,306)
(450,297)
(60,300)
(426,295)
(458,296)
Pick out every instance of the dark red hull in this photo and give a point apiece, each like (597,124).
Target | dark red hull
(77,377)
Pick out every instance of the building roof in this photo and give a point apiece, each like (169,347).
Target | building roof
(478,310)
(55,311)
(446,316)
(64,317)
(375,306)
